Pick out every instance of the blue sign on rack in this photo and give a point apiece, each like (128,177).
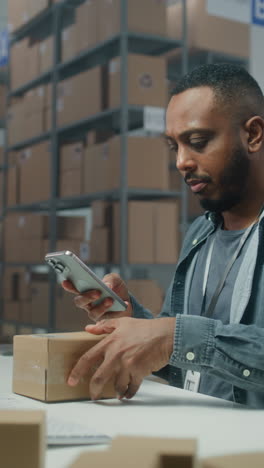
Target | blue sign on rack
(4,48)
(258,12)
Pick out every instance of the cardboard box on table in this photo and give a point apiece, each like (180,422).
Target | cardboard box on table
(22,438)
(146,452)
(42,364)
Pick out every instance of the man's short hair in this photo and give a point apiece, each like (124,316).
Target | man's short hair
(232,85)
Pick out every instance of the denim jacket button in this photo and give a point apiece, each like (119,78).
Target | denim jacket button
(190,356)
(246,373)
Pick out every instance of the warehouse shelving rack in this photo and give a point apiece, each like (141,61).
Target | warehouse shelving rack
(121,120)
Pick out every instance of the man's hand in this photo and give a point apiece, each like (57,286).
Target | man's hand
(86,300)
(133,349)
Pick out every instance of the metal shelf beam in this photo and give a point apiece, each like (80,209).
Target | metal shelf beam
(30,142)
(85,200)
(40,80)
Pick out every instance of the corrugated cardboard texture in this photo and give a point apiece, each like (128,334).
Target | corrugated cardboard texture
(22,439)
(42,364)
(143,452)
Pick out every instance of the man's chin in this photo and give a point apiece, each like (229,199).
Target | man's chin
(219,206)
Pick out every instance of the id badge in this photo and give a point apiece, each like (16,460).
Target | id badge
(192,381)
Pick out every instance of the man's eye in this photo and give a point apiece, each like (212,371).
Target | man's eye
(198,144)
(173,147)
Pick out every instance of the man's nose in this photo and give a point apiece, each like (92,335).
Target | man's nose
(185,161)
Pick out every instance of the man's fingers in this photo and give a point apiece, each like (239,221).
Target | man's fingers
(102,376)
(97,311)
(104,326)
(122,384)
(86,363)
(68,286)
(132,388)
(83,300)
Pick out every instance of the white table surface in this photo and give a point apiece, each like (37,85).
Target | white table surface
(157,410)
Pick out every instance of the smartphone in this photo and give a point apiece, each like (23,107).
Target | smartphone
(69,267)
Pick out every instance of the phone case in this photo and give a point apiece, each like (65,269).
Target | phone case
(69,267)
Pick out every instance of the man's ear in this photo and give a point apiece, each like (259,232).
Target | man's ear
(255,133)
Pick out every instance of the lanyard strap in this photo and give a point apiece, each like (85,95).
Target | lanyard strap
(220,285)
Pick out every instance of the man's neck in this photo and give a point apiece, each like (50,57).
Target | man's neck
(242,217)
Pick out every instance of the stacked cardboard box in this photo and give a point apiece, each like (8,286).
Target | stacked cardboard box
(71,169)
(29,59)
(1,156)
(83,33)
(30,115)
(79,97)
(17,294)
(101,234)
(12,194)
(138,11)
(68,316)
(1,193)
(23,11)
(147,165)
(209,32)
(147,81)
(34,166)
(3,94)
(28,175)
(153,232)
(26,237)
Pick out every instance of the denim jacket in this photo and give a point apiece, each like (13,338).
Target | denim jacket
(233,352)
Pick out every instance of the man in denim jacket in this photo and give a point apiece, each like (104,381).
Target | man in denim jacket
(209,336)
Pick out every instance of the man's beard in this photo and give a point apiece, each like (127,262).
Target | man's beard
(233,183)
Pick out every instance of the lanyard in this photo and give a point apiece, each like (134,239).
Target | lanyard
(221,282)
